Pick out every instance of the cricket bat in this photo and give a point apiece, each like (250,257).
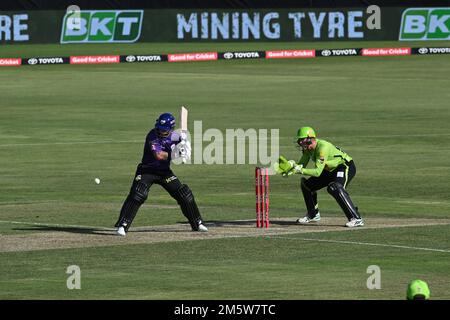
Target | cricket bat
(184,126)
(184,117)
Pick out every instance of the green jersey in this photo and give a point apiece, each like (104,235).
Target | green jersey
(325,156)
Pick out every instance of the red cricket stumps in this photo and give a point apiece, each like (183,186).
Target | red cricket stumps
(258,197)
(262,197)
(267,197)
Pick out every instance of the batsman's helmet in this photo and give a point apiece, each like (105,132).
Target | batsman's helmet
(418,290)
(165,122)
(306,132)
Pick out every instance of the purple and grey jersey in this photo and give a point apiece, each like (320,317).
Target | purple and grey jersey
(155,144)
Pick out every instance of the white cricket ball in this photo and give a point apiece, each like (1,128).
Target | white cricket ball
(97,180)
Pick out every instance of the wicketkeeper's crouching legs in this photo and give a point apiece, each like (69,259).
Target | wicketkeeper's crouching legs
(342,197)
(310,197)
(137,196)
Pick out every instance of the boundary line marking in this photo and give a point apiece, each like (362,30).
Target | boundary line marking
(364,244)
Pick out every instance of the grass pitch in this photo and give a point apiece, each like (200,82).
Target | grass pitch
(63,126)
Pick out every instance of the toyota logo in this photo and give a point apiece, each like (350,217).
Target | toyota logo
(326,53)
(32,61)
(228,55)
(423,50)
(130,58)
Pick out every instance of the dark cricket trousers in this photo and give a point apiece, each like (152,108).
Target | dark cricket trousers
(167,180)
(180,192)
(143,180)
(343,174)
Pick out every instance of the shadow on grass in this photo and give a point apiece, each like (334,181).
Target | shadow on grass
(281,223)
(80,230)
(185,228)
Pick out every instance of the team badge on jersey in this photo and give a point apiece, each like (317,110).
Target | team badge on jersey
(322,158)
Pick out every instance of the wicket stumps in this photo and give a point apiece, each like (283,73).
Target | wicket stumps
(262,197)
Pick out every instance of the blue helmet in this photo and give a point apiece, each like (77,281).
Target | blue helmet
(165,122)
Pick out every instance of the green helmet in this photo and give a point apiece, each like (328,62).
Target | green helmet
(306,132)
(418,289)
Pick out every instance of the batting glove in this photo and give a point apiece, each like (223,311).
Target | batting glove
(188,149)
(184,149)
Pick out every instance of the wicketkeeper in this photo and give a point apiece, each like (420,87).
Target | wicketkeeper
(333,169)
(161,144)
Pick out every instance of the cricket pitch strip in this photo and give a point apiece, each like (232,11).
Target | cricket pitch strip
(64,237)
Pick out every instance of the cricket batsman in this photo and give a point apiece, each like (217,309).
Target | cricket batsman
(333,169)
(161,143)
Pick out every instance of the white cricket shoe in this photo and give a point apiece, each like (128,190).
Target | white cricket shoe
(121,231)
(306,219)
(355,223)
(202,228)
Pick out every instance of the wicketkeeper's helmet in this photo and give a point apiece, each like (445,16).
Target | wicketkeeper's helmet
(304,136)
(306,132)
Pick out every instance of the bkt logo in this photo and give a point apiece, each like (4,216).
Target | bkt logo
(425,24)
(97,26)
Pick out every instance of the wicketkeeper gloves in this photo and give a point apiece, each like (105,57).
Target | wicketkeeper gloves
(287,167)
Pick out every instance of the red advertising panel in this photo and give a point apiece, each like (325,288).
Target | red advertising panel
(94,59)
(377,52)
(194,56)
(10,62)
(286,54)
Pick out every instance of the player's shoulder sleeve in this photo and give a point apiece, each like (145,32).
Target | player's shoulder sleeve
(154,142)
(175,137)
(323,151)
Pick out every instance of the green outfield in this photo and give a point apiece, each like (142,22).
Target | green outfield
(63,126)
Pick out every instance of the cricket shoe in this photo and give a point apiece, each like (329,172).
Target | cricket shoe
(201,228)
(355,223)
(121,231)
(306,219)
